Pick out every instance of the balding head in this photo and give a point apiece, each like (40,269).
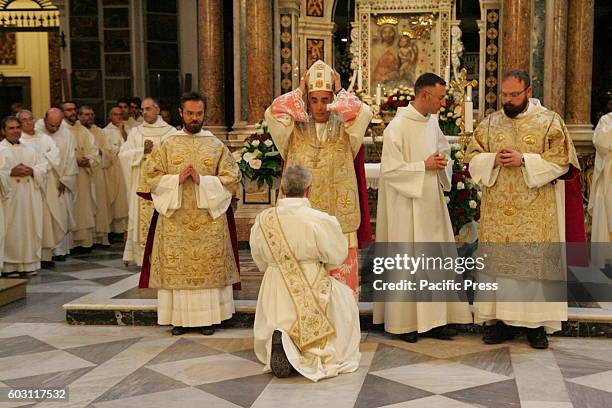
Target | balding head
(53,120)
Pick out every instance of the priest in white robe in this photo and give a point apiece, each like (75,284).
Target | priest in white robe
(88,159)
(54,229)
(103,220)
(5,188)
(24,207)
(65,176)
(600,199)
(128,121)
(116,188)
(133,155)
(415,168)
(519,155)
(296,246)
(192,176)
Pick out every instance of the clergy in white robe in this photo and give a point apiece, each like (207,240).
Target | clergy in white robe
(54,230)
(518,156)
(600,199)
(24,208)
(88,158)
(133,156)
(295,246)
(103,218)
(192,176)
(5,188)
(65,176)
(326,144)
(128,121)
(411,208)
(116,188)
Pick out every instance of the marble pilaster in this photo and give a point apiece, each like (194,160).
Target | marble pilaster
(516,35)
(538,42)
(211,64)
(555,56)
(579,68)
(259,57)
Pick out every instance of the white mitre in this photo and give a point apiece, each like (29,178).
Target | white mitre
(320,77)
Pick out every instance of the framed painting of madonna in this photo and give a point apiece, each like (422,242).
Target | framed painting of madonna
(401,39)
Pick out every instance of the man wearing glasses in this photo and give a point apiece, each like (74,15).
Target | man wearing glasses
(519,155)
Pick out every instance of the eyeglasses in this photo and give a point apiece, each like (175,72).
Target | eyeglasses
(512,94)
(440,98)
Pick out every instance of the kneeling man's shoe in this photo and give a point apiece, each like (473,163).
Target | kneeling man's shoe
(497,333)
(279,363)
(178,330)
(441,333)
(207,330)
(411,337)
(537,338)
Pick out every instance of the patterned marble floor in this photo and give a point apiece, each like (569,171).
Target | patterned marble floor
(114,366)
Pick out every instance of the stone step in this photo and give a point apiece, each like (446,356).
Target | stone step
(12,290)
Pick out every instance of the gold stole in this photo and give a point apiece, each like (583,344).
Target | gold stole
(312,327)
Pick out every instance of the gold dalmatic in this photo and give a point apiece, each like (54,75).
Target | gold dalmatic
(192,250)
(334,183)
(513,213)
(312,328)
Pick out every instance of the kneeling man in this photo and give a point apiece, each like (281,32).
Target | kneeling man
(305,319)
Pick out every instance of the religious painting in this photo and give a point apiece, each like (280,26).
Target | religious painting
(315,50)
(86,83)
(403,46)
(116,40)
(116,17)
(315,8)
(8,48)
(84,26)
(396,41)
(85,54)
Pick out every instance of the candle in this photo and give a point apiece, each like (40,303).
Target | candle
(469,93)
(378,94)
(447,74)
(359,79)
(469,117)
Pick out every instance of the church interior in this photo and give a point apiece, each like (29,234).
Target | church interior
(84,325)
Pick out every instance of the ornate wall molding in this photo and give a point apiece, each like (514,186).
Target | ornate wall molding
(490,44)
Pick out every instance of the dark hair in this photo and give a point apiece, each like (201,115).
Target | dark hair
(191,96)
(7,119)
(125,100)
(68,101)
(427,80)
(83,107)
(520,75)
(137,100)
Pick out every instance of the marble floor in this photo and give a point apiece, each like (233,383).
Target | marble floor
(133,366)
(113,367)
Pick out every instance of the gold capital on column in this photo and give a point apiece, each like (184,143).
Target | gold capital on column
(259,57)
(579,62)
(210,61)
(516,39)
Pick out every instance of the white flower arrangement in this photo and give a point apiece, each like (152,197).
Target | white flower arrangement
(460,186)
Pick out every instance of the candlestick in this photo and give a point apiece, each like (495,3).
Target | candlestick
(447,74)
(378,94)
(359,79)
(469,93)
(469,116)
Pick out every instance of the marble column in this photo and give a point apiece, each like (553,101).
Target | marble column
(579,67)
(555,56)
(260,63)
(516,35)
(211,70)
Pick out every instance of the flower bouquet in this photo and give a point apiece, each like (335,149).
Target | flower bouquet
(449,116)
(398,97)
(463,200)
(259,160)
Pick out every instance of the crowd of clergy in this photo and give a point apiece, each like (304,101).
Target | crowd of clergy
(67,185)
